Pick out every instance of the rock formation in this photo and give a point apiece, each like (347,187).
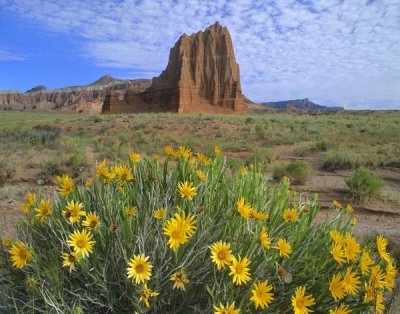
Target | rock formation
(201,76)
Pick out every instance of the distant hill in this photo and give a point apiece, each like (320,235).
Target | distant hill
(297,104)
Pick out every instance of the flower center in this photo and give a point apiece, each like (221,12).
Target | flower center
(23,255)
(300,303)
(81,243)
(221,255)
(175,234)
(239,269)
(93,224)
(71,258)
(139,268)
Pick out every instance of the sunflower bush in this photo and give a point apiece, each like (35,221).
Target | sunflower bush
(186,235)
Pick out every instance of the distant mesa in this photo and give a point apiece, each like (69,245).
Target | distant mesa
(104,80)
(36,89)
(298,104)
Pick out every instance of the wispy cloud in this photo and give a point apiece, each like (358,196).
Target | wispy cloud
(8,55)
(342,52)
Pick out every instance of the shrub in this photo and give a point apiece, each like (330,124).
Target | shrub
(7,171)
(363,183)
(61,164)
(278,172)
(299,171)
(40,136)
(293,251)
(336,159)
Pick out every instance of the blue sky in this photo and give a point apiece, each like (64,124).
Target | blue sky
(334,52)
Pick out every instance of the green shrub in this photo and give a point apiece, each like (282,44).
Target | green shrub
(337,159)
(363,183)
(7,170)
(63,164)
(278,172)
(299,171)
(98,282)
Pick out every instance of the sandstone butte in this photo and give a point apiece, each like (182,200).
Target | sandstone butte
(202,76)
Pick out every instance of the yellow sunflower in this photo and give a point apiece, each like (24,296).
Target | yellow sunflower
(169,151)
(243,208)
(146,294)
(290,214)
(180,279)
(351,248)
(179,229)
(284,248)
(104,172)
(74,211)
(301,302)
(123,173)
(239,270)
(44,210)
(338,253)
(390,276)
(261,294)
(349,208)
(226,309)
(65,184)
(187,190)
(259,215)
(221,254)
(160,213)
(342,309)
(369,295)
(20,254)
(377,278)
(184,152)
(6,242)
(203,159)
(351,282)
(81,242)
(139,268)
(381,243)
(135,157)
(88,182)
(336,287)
(264,238)
(131,211)
(201,175)
(337,237)
(69,260)
(92,221)
(337,204)
(365,263)
(379,305)
(30,198)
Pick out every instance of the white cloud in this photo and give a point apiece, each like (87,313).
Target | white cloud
(8,55)
(333,51)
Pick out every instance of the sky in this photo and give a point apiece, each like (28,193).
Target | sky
(334,52)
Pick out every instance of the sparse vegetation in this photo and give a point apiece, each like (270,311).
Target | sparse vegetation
(339,159)
(363,184)
(299,171)
(7,170)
